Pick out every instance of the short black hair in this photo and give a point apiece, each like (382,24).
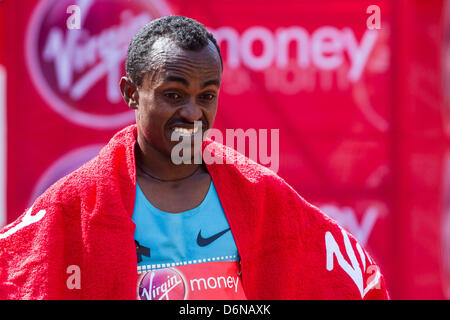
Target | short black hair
(185,32)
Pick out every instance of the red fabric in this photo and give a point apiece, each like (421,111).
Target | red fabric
(288,248)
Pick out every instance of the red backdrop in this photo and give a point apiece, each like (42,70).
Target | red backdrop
(363,124)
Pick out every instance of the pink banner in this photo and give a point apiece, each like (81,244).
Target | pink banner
(363,130)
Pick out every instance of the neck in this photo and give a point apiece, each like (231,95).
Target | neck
(160,165)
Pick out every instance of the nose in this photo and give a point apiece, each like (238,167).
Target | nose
(191,112)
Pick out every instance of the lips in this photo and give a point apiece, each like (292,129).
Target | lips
(185,129)
(185,132)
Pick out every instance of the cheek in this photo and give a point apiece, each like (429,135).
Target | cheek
(149,121)
(211,114)
(152,117)
(145,110)
(144,114)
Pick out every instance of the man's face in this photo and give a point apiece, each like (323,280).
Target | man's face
(182,87)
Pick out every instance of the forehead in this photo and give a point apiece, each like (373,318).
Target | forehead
(168,59)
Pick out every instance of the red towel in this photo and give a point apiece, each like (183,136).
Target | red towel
(81,227)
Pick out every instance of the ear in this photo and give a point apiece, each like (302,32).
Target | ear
(129,92)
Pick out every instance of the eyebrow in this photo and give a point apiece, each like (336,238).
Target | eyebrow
(177,79)
(183,81)
(213,82)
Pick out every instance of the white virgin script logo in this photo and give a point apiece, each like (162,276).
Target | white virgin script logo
(97,56)
(26,221)
(353,270)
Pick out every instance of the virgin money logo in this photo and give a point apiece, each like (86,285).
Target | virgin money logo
(161,284)
(77,71)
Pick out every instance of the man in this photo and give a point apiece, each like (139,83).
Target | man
(133,224)
(174,72)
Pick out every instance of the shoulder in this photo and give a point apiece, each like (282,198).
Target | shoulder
(81,185)
(333,261)
(249,176)
(272,196)
(215,154)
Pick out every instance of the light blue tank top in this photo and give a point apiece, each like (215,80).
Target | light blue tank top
(194,236)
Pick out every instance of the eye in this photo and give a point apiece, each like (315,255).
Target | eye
(172,95)
(208,96)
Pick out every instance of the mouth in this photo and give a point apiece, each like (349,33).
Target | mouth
(185,132)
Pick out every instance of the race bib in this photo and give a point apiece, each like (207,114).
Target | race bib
(219,280)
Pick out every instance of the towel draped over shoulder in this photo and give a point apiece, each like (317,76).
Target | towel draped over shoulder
(82,224)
